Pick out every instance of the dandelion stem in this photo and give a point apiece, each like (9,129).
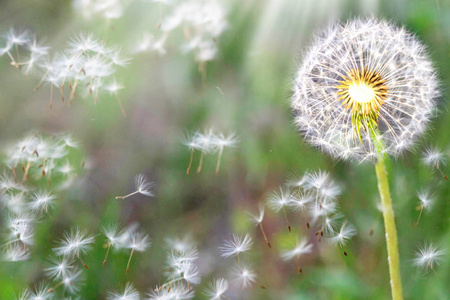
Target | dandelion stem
(190,162)
(107,252)
(218,160)
(264,234)
(389,221)
(129,260)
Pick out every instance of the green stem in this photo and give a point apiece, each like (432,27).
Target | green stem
(389,221)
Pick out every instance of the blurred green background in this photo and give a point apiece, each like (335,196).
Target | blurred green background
(247,91)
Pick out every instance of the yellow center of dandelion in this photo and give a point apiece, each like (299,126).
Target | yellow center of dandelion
(363,92)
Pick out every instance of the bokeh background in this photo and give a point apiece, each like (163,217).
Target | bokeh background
(247,91)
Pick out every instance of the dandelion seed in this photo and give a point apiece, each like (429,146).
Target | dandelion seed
(216,289)
(177,291)
(150,43)
(16,253)
(243,276)
(346,232)
(296,180)
(205,141)
(329,223)
(321,183)
(113,237)
(142,186)
(113,89)
(21,231)
(182,245)
(42,201)
(300,201)
(24,295)
(425,201)
(74,243)
(434,158)
(60,268)
(360,77)
(235,245)
(220,142)
(302,247)
(257,220)
(180,262)
(126,293)
(138,242)
(428,256)
(193,144)
(71,282)
(279,200)
(181,267)
(40,292)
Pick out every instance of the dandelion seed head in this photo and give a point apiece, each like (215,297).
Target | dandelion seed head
(362,76)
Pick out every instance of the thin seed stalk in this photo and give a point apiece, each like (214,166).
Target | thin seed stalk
(129,260)
(287,221)
(126,196)
(199,168)
(190,162)
(389,221)
(264,234)
(218,160)
(106,256)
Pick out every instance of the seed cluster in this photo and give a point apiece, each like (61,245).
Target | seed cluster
(360,76)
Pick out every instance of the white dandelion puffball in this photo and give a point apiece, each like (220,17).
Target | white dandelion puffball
(363,79)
